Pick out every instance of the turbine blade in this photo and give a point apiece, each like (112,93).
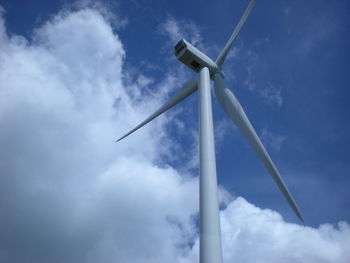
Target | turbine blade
(233,108)
(221,58)
(188,88)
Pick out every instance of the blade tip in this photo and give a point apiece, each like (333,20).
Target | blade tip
(301,218)
(299,215)
(119,140)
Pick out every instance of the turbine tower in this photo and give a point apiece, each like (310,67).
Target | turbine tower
(210,233)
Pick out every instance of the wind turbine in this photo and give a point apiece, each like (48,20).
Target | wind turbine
(210,233)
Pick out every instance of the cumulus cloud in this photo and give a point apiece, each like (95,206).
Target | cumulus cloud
(261,235)
(251,234)
(69,194)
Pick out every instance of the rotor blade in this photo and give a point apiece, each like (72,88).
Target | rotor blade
(188,88)
(233,108)
(221,58)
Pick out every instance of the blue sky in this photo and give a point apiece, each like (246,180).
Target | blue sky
(68,89)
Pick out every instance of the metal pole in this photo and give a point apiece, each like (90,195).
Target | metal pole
(210,233)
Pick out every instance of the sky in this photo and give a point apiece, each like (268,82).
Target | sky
(76,75)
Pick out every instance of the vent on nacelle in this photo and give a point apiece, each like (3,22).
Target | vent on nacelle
(195,64)
(179,46)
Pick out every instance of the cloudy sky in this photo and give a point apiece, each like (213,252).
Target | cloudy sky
(75,76)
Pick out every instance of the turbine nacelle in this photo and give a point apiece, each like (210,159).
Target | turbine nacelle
(193,58)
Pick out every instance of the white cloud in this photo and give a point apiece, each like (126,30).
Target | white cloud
(272,94)
(271,140)
(69,194)
(178,29)
(257,235)
(221,128)
(252,60)
(251,234)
